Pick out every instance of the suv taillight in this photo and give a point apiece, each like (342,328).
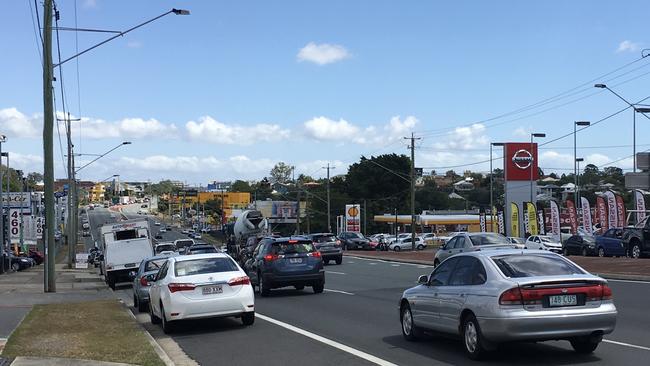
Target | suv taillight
(314,254)
(239,281)
(174,287)
(270,257)
(143,281)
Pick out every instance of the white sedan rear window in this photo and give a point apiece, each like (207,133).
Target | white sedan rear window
(204,265)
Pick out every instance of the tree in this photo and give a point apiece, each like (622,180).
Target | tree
(212,208)
(240,186)
(33,179)
(281,173)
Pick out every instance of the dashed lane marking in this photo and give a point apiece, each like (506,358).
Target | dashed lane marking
(339,292)
(334,272)
(626,345)
(353,351)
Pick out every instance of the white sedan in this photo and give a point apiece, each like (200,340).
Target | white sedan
(543,242)
(200,286)
(405,243)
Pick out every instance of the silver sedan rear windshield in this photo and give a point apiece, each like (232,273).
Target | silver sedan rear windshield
(488,239)
(204,265)
(531,265)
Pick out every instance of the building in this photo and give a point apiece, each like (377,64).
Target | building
(233,202)
(96,193)
(439,224)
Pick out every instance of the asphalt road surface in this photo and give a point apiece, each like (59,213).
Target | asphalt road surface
(356,322)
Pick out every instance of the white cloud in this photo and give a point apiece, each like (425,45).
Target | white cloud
(13,123)
(211,130)
(398,127)
(134,44)
(521,132)
(323,53)
(628,46)
(564,161)
(464,138)
(323,128)
(127,128)
(26,162)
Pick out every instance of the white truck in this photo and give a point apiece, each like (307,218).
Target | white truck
(125,244)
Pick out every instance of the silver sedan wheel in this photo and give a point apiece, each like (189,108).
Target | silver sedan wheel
(407,322)
(471,337)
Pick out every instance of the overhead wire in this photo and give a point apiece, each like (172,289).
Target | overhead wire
(37,34)
(76,44)
(61,85)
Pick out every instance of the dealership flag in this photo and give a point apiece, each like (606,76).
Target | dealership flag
(640,205)
(531,218)
(601,209)
(541,223)
(586,216)
(481,216)
(555,220)
(501,221)
(514,219)
(573,216)
(620,210)
(612,215)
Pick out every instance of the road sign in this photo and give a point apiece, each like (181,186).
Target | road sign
(60,194)
(81,260)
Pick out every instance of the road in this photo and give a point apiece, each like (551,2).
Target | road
(355,322)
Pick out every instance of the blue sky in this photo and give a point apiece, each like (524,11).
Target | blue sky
(235,87)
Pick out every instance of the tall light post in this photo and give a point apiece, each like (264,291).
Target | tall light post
(575,154)
(102,155)
(532,164)
(635,110)
(3,138)
(491,185)
(577,188)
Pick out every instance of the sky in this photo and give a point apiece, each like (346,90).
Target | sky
(230,90)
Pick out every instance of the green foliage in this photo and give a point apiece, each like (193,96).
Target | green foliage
(281,173)
(240,186)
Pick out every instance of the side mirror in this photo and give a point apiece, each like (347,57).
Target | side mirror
(151,277)
(423,280)
(132,274)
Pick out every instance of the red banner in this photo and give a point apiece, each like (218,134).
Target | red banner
(573,216)
(620,208)
(601,209)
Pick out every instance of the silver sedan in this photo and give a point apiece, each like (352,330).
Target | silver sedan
(496,296)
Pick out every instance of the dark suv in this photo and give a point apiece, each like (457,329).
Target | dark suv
(280,262)
(352,240)
(328,246)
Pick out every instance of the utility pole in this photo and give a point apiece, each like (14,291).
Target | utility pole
(70,193)
(298,214)
(3,138)
(329,209)
(48,143)
(412,147)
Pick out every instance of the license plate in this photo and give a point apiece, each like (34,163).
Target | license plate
(295,260)
(563,300)
(209,290)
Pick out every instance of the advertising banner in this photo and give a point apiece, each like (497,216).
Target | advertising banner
(573,216)
(17,200)
(612,214)
(541,225)
(353,218)
(555,220)
(520,161)
(586,216)
(640,205)
(14,226)
(601,209)
(481,217)
(501,221)
(514,219)
(531,212)
(620,210)
(494,226)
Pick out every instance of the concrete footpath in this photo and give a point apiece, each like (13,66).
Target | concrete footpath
(607,267)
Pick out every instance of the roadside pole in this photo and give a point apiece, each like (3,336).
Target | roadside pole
(2,209)
(412,147)
(70,194)
(48,143)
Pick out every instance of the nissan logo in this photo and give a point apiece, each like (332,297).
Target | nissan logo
(522,159)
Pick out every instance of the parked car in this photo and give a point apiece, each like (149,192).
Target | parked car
(57,235)
(531,296)
(18,263)
(405,244)
(516,240)
(200,286)
(353,240)
(164,247)
(429,238)
(543,242)
(328,246)
(610,243)
(636,240)
(162,229)
(185,231)
(158,235)
(142,279)
(467,242)
(36,255)
(157,223)
(577,244)
(196,236)
(181,244)
(281,262)
(200,249)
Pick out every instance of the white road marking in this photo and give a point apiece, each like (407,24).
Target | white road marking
(390,262)
(339,292)
(394,265)
(629,281)
(334,272)
(372,263)
(353,351)
(627,345)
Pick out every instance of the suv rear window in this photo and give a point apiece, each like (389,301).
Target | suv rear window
(292,248)
(203,250)
(204,265)
(530,265)
(324,238)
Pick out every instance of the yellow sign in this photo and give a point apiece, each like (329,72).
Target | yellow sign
(353,211)
(514,219)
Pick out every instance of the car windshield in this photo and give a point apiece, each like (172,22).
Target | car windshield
(487,239)
(154,265)
(161,248)
(292,248)
(589,239)
(203,250)
(182,243)
(324,238)
(546,239)
(358,235)
(204,265)
(531,265)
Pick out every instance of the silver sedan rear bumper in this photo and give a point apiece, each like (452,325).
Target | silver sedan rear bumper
(538,326)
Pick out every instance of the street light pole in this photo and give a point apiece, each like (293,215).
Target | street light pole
(577,189)
(575,156)
(104,154)
(491,185)
(532,164)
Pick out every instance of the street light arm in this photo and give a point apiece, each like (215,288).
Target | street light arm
(102,155)
(120,34)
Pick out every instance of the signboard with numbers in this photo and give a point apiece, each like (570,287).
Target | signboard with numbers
(40,226)
(14,226)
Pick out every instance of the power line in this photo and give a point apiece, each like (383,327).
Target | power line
(37,34)
(76,45)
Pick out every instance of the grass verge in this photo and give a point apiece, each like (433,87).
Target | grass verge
(94,330)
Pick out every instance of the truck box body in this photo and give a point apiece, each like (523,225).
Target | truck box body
(125,245)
